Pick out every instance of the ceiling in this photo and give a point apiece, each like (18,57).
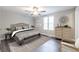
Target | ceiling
(48,9)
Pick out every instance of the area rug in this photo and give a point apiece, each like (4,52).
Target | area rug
(4,46)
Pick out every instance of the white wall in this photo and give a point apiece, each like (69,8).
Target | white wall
(77,27)
(77,23)
(70,13)
(8,17)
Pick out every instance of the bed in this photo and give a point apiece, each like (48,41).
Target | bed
(23,32)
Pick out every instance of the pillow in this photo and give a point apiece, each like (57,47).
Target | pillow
(25,27)
(31,27)
(18,28)
(13,29)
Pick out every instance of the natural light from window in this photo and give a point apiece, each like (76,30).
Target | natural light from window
(48,23)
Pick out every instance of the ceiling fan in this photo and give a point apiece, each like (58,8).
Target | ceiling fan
(35,11)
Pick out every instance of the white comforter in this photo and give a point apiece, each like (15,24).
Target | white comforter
(25,34)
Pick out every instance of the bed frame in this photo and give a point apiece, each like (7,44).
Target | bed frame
(25,40)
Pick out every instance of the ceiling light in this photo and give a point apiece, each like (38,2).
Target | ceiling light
(35,10)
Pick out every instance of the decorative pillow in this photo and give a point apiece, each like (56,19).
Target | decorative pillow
(25,27)
(31,27)
(18,28)
(13,29)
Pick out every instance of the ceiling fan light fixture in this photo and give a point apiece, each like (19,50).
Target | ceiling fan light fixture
(35,13)
(34,10)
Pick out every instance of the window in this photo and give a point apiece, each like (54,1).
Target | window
(48,23)
(45,23)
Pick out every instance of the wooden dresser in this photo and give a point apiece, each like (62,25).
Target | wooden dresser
(64,33)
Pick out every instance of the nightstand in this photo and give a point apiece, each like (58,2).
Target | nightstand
(8,35)
(3,34)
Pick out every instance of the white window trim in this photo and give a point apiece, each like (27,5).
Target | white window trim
(48,23)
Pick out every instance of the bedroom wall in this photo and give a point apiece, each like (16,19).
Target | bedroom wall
(77,22)
(70,13)
(77,27)
(8,17)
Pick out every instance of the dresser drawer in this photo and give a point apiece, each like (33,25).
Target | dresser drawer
(64,33)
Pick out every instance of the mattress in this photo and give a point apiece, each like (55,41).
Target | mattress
(25,34)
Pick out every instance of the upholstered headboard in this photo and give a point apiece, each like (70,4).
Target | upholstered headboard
(19,26)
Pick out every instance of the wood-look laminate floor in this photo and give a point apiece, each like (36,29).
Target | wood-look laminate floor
(52,45)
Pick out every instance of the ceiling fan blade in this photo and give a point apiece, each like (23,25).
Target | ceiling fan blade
(26,10)
(43,11)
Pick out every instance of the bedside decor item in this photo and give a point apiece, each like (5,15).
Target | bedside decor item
(67,26)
